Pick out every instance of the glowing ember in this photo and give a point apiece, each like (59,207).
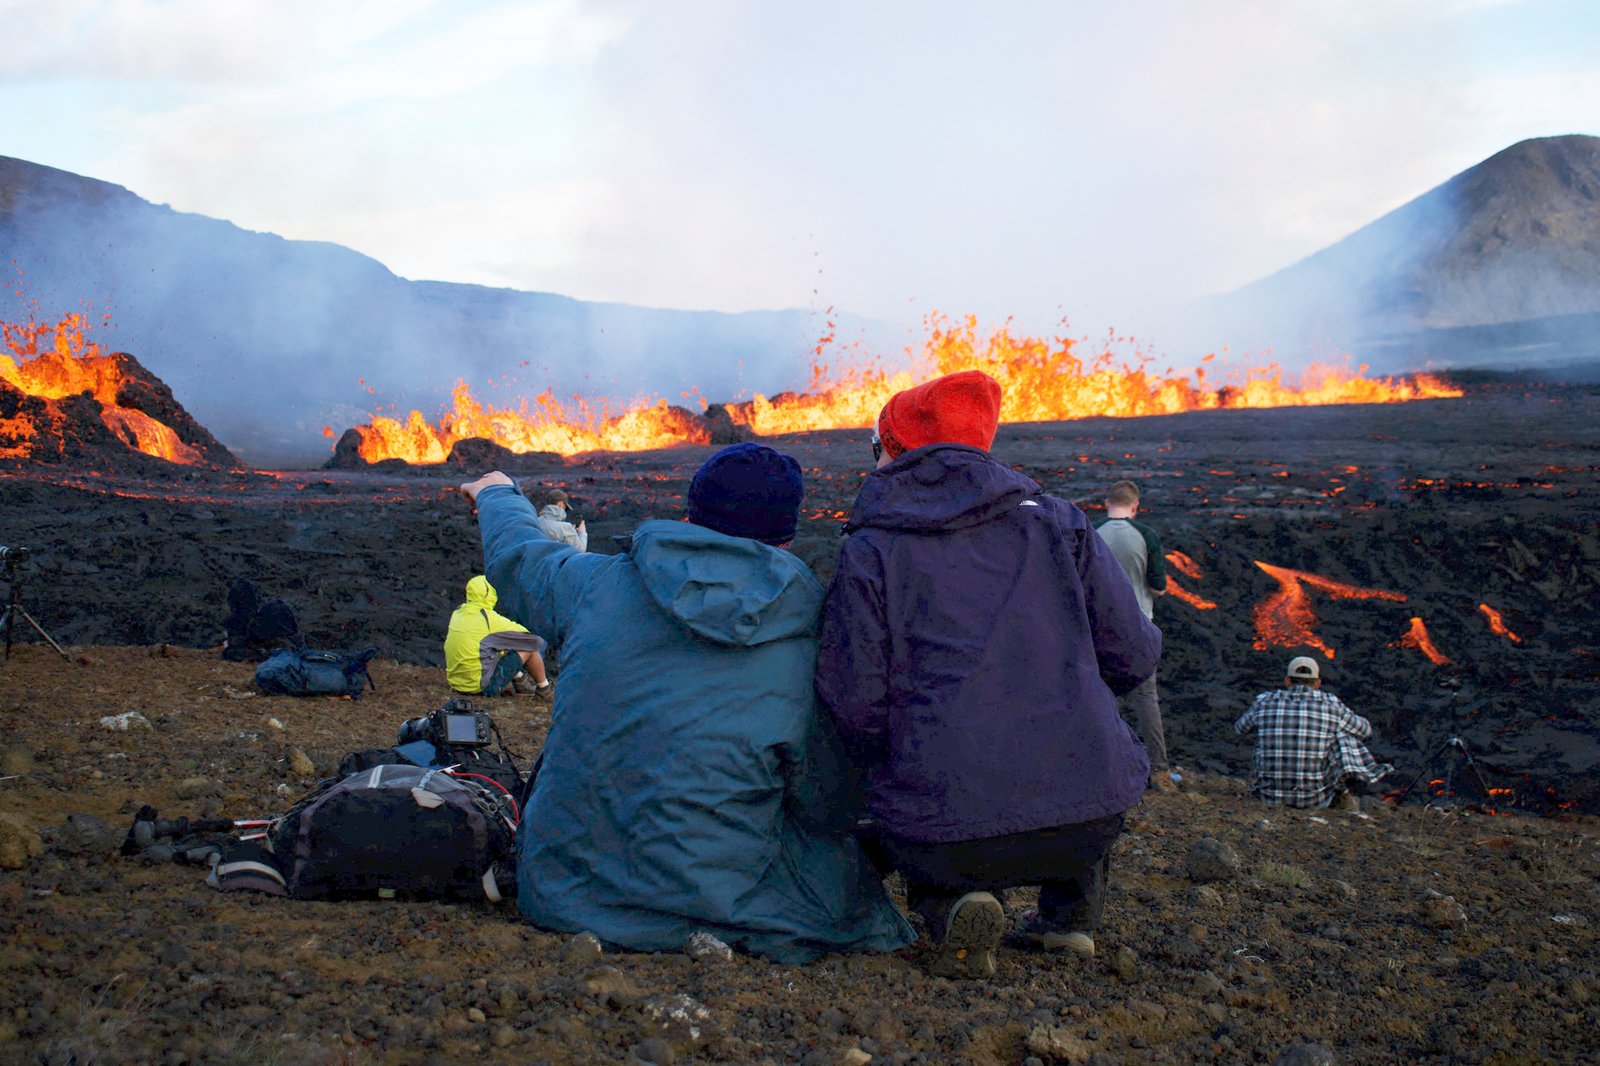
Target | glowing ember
(1496,624)
(1417,637)
(53,362)
(1286,620)
(1043,381)
(1186,566)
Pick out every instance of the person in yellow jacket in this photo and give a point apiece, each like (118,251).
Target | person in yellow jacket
(487,654)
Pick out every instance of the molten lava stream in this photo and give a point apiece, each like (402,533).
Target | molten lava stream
(1497,625)
(1286,620)
(1417,637)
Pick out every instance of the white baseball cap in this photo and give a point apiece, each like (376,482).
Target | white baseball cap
(1303,667)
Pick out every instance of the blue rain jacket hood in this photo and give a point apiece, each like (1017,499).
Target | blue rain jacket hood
(975,637)
(687,780)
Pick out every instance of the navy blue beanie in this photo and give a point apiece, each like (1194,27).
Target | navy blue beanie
(748,490)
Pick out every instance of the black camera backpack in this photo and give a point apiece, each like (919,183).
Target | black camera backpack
(307,672)
(392,831)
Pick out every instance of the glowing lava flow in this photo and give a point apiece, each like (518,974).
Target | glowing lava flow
(1286,620)
(1186,566)
(1417,637)
(1043,381)
(1497,624)
(68,365)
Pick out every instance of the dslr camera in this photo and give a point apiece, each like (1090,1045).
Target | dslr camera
(458,724)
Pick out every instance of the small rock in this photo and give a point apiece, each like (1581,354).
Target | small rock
(1207,984)
(300,764)
(195,787)
(703,947)
(854,1056)
(476,1016)
(127,721)
(273,723)
(19,842)
(1125,963)
(1205,897)
(611,986)
(655,1051)
(1439,911)
(17,759)
(681,1019)
(879,1023)
(584,947)
(1304,1055)
(1344,888)
(1577,991)
(1057,1042)
(1210,859)
(89,835)
(504,1036)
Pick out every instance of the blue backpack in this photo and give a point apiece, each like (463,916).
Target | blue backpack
(303,672)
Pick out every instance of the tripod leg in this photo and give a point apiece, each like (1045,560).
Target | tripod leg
(37,628)
(6,624)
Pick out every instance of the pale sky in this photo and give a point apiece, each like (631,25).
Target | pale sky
(1037,160)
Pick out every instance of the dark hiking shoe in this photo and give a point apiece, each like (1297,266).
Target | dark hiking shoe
(972,931)
(523,684)
(1030,930)
(1348,801)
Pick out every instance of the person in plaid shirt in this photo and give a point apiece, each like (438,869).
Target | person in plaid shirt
(1308,743)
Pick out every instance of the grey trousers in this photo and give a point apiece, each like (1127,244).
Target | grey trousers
(1146,711)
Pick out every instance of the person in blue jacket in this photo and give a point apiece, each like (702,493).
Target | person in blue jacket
(687,782)
(976,635)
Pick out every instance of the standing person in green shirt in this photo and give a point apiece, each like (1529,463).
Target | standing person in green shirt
(1138,549)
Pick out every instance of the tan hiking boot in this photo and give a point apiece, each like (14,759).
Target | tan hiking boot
(972,931)
(545,693)
(1031,930)
(523,684)
(1348,801)
(1161,781)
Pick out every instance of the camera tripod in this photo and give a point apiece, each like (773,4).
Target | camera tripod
(1453,748)
(14,610)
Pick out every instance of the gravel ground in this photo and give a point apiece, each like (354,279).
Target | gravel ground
(1402,935)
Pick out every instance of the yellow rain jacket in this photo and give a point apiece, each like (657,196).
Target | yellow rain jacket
(478,637)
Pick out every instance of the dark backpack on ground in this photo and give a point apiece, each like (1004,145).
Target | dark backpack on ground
(303,672)
(497,766)
(254,625)
(392,831)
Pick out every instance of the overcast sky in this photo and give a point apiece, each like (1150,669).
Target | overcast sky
(1086,160)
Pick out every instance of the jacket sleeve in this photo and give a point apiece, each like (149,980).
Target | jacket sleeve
(853,654)
(1247,721)
(539,580)
(1352,723)
(1127,645)
(819,789)
(1155,563)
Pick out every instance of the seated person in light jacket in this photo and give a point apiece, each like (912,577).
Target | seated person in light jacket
(487,654)
(976,636)
(687,781)
(553,520)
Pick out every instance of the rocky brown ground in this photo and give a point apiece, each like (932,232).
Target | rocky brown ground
(1405,935)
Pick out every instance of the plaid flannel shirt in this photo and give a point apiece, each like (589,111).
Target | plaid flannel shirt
(1307,741)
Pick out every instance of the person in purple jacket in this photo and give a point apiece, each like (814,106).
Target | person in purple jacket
(973,643)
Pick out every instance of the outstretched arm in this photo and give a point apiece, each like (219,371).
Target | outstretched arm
(538,579)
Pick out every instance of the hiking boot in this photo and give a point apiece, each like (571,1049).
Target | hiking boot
(1348,801)
(1031,930)
(523,684)
(1161,781)
(545,693)
(972,931)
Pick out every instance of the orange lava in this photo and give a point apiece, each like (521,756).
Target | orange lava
(1417,637)
(1285,619)
(1189,568)
(53,362)
(1044,380)
(1497,624)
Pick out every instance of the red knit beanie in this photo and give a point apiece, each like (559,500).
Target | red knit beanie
(961,408)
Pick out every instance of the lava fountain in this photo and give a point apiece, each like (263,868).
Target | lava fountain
(1043,380)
